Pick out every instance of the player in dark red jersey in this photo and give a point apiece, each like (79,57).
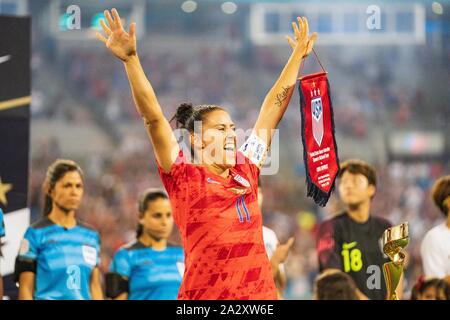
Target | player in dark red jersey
(214,201)
(351,241)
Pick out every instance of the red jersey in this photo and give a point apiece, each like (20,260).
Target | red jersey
(221,229)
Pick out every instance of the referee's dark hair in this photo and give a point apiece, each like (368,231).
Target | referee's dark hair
(55,172)
(441,194)
(356,166)
(145,198)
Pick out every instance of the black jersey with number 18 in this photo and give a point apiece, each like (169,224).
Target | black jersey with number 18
(356,249)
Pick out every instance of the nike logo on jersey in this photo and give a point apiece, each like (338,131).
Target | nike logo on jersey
(238,190)
(209,180)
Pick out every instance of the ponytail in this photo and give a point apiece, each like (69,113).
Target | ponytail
(186,114)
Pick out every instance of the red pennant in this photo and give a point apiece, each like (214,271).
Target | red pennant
(319,143)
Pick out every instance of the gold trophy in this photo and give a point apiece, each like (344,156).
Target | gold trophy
(395,239)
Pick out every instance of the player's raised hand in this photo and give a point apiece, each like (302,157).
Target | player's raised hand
(121,43)
(303,43)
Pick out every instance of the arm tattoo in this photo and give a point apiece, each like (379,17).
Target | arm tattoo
(282,96)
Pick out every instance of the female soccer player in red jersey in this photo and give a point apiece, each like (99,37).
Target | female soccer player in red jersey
(214,198)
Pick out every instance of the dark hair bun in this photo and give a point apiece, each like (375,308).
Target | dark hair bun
(184,112)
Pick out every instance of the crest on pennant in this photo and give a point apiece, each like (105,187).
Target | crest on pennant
(317,119)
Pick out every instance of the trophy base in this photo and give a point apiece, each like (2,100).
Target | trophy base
(392,274)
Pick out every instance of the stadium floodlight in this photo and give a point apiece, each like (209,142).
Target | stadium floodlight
(189,6)
(229,7)
(437,8)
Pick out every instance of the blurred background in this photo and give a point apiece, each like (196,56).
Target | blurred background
(389,84)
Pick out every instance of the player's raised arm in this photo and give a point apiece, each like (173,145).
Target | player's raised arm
(123,45)
(277,100)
